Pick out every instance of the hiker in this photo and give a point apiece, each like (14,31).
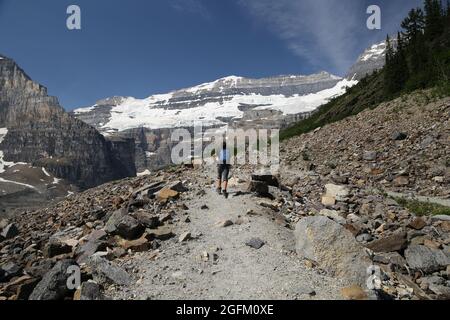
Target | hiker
(223,170)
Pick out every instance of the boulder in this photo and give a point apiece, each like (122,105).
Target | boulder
(333,247)
(147,219)
(393,258)
(333,215)
(10,231)
(55,247)
(391,243)
(53,285)
(129,228)
(328,201)
(89,291)
(267,178)
(426,259)
(176,186)
(417,223)
(22,287)
(106,272)
(166,194)
(354,292)
(338,192)
(139,245)
(9,270)
(148,190)
(440,217)
(86,250)
(258,187)
(255,243)
(114,219)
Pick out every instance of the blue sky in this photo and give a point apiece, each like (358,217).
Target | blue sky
(141,47)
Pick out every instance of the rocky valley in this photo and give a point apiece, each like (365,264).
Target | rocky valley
(369,193)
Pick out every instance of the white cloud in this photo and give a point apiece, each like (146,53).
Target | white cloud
(319,31)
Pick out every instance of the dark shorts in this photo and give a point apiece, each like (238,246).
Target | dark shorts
(223,170)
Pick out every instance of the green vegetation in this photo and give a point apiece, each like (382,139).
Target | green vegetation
(423,208)
(420,59)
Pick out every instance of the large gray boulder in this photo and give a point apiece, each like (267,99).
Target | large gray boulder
(426,259)
(53,285)
(106,272)
(333,247)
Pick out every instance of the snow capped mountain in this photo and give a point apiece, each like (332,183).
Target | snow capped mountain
(372,59)
(214,103)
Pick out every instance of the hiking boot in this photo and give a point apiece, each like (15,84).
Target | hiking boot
(219,190)
(225,193)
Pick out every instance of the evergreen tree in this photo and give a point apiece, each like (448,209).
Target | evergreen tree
(433,19)
(401,64)
(413,24)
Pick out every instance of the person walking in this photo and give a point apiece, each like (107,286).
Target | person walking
(223,170)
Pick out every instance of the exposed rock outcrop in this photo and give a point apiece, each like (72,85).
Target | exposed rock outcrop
(41,133)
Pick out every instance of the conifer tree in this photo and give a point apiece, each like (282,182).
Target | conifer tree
(413,24)
(433,19)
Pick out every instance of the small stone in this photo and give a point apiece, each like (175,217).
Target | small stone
(431,244)
(370,155)
(166,194)
(89,291)
(445,226)
(365,237)
(417,223)
(354,293)
(401,181)
(162,233)
(333,215)
(328,201)
(139,245)
(398,136)
(255,243)
(224,223)
(340,193)
(184,237)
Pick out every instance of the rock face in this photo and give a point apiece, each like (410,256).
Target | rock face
(333,248)
(373,58)
(41,133)
(242,102)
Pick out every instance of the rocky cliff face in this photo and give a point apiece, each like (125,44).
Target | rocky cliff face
(41,133)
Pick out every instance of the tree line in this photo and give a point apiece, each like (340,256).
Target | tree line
(419,57)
